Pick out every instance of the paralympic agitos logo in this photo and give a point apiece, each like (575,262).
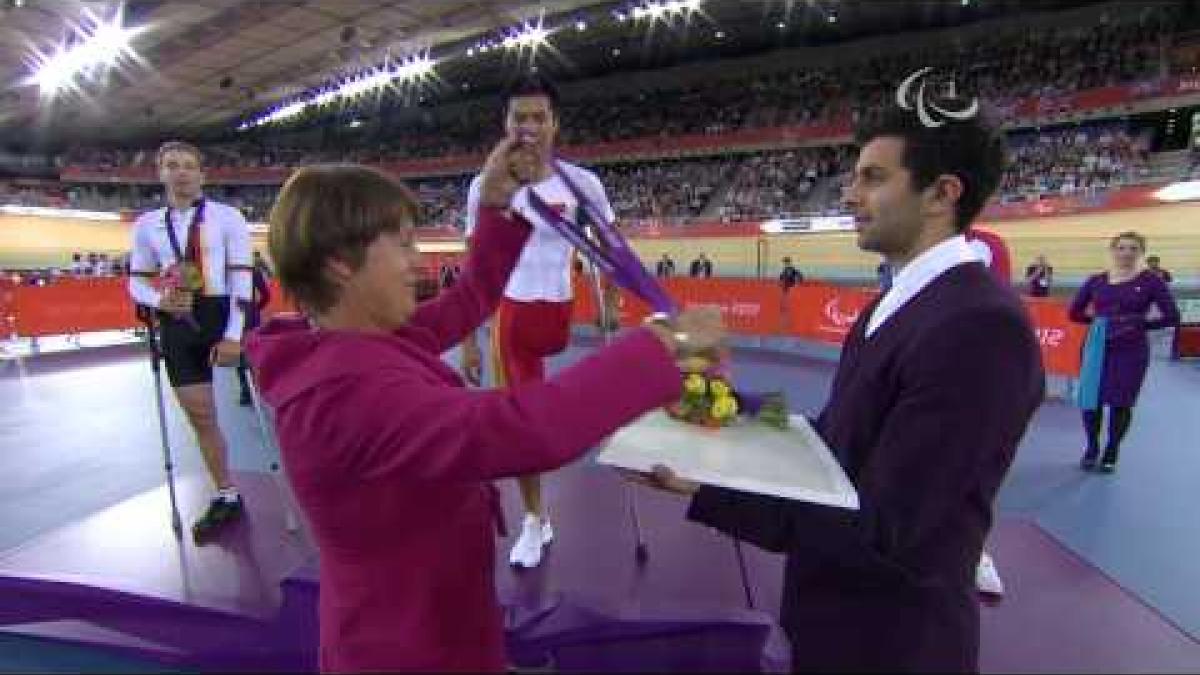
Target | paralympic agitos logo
(930,113)
(838,317)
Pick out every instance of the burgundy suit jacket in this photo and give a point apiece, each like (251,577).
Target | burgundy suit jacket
(925,417)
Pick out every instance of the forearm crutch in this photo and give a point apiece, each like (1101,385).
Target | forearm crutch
(146,316)
(640,552)
(267,435)
(741,560)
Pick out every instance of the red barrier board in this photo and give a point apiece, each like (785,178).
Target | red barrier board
(1187,341)
(811,311)
(72,306)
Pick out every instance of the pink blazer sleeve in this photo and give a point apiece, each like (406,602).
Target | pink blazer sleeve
(407,424)
(495,246)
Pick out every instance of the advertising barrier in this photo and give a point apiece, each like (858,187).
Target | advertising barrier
(811,311)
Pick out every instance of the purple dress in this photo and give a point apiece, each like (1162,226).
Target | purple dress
(1126,351)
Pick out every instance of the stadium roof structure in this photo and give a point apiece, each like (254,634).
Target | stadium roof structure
(195,66)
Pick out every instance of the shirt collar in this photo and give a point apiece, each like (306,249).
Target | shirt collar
(178,215)
(930,264)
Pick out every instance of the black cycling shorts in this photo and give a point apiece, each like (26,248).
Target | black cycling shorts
(186,350)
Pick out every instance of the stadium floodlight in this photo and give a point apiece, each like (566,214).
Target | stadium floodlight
(665,9)
(411,69)
(528,36)
(96,46)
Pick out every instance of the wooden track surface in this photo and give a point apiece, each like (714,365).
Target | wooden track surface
(1075,245)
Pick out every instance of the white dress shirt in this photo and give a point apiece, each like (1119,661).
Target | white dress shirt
(919,273)
(224,249)
(543,271)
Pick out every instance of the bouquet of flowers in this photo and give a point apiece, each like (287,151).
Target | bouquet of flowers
(183,276)
(710,400)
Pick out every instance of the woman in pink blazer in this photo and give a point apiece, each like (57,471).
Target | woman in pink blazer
(389,454)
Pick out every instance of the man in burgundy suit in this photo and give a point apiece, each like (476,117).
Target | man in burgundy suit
(936,384)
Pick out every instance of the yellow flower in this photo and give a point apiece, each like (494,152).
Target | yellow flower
(724,408)
(695,384)
(719,388)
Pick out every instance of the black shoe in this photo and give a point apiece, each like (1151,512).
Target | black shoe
(1088,463)
(1108,466)
(220,512)
(245,398)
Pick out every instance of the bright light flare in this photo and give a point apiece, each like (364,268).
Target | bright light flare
(98,46)
(666,9)
(408,70)
(529,36)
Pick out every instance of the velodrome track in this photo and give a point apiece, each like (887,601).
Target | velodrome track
(1076,245)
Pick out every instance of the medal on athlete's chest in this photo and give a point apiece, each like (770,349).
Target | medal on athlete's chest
(190,276)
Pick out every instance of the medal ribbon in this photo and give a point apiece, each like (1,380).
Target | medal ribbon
(606,248)
(191,260)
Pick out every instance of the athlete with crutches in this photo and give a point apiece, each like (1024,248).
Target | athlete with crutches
(200,252)
(146,316)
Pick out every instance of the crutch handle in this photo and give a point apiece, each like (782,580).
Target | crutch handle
(145,314)
(148,316)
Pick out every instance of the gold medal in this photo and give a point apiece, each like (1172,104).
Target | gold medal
(190,277)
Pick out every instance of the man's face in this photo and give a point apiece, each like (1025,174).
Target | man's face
(887,210)
(532,120)
(180,171)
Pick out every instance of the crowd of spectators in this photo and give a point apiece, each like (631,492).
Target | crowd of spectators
(89,265)
(33,194)
(1001,67)
(782,183)
(670,189)
(729,187)
(443,200)
(1085,159)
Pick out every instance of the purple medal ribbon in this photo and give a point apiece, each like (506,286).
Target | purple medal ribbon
(613,255)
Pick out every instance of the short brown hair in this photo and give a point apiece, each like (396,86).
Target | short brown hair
(178,146)
(972,149)
(1131,236)
(332,211)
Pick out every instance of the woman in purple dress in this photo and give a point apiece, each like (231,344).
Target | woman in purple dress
(1123,295)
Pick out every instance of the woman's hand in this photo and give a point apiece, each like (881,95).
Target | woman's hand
(511,165)
(177,302)
(698,331)
(661,478)
(225,353)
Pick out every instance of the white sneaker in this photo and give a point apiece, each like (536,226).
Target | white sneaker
(987,579)
(535,534)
